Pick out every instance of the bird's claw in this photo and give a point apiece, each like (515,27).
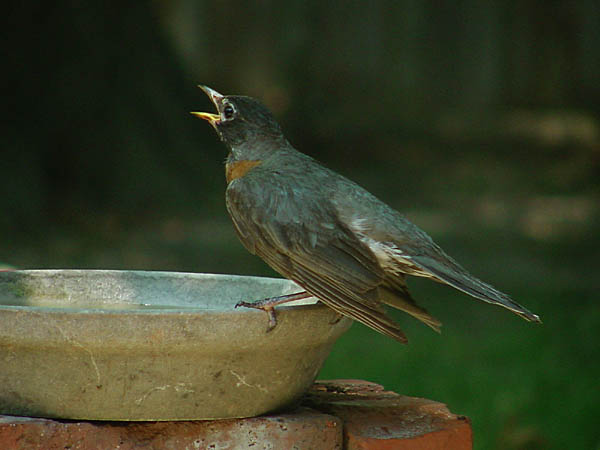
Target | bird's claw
(260,305)
(272,319)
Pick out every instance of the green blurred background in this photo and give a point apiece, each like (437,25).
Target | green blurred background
(479,120)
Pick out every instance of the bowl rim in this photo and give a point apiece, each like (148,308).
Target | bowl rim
(309,303)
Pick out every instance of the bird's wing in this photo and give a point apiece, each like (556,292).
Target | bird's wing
(300,238)
(448,271)
(402,248)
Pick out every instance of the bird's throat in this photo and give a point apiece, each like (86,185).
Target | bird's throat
(237,169)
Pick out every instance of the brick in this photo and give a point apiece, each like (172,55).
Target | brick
(302,429)
(376,419)
(338,414)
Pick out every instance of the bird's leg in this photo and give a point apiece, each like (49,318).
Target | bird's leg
(268,305)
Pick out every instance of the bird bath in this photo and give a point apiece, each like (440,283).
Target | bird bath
(134,345)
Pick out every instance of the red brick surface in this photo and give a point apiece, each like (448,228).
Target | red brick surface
(302,429)
(376,419)
(349,414)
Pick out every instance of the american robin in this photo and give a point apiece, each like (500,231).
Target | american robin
(333,238)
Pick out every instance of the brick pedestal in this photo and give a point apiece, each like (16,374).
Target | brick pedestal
(340,414)
(376,419)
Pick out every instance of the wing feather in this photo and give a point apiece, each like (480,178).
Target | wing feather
(328,263)
(307,241)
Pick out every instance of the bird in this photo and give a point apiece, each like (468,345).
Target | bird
(333,238)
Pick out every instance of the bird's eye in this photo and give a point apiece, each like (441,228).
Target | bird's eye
(228,112)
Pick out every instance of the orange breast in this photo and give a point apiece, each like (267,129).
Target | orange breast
(238,169)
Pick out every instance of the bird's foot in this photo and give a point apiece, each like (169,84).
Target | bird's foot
(270,310)
(268,305)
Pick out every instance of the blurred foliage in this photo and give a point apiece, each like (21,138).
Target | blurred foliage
(477,119)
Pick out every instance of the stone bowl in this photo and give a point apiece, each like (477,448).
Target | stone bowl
(134,345)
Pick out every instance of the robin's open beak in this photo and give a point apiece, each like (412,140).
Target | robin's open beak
(216,98)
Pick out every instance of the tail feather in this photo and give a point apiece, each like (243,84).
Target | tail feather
(454,275)
(401,299)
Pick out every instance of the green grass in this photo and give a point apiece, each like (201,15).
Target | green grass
(524,386)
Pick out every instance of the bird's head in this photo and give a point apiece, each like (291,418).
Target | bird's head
(243,123)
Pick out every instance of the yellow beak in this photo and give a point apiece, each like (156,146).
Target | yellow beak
(211,118)
(216,98)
